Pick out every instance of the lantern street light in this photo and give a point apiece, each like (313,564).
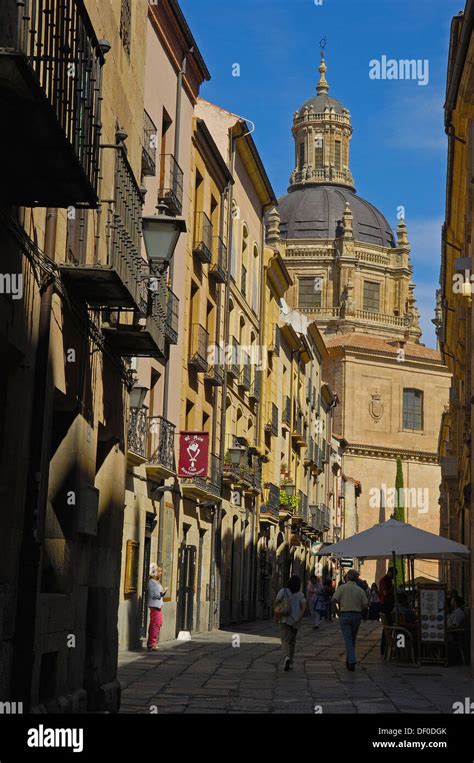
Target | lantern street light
(289,489)
(137,396)
(160,234)
(236,454)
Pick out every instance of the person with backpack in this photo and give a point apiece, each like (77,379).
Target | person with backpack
(290,606)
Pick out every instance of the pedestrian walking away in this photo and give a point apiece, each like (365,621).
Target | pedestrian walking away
(311,595)
(156,593)
(352,601)
(290,605)
(320,604)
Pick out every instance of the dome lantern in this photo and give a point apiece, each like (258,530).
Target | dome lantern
(322,130)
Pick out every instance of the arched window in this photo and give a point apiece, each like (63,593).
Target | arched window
(319,152)
(244,261)
(255,279)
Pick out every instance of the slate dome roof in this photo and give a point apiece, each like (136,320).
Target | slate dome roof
(319,103)
(316,212)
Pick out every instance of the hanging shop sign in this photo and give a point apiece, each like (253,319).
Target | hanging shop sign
(193,454)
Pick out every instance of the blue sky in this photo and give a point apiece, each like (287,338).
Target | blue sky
(398,148)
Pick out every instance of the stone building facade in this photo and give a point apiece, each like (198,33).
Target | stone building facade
(354,278)
(455,315)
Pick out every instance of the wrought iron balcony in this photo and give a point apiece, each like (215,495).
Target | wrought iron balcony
(149,146)
(275,341)
(325,513)
(215,375)
(272,501)
(298,428)
(233,368)
(316,519)
(161,437)
(202,246)
(121,280)
(319,459)
(205,487)
(197,359)
(245,378)
(309,455)
(140,337)
(272,419)
(50,91)
(286,414)
(138,432)
(218,268)
(256,386)
(172,316)
(170,191)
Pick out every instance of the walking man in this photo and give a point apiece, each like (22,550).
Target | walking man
(352,600)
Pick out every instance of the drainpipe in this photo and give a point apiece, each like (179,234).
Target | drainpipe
(35,506)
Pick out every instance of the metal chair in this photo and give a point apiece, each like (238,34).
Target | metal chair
(391,635)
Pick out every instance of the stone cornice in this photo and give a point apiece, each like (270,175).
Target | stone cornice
(376,451)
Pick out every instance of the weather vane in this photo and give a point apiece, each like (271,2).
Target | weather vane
(322,45)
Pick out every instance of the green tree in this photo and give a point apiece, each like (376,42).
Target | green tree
(399,511)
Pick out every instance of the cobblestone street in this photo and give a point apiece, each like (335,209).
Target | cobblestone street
(210,675)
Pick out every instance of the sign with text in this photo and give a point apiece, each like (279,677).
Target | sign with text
(193,454)
(347,562)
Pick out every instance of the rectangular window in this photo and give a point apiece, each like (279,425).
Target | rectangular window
(309,293)
(76,242)
(337,154)
(413,409)
(372,296)
(126,24)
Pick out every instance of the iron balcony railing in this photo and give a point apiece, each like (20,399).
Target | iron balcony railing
(319,458)
(272,419)
(272,502)
(257,478)
(245,378)
(62,52)
(309,453)
(202,246)
(215,375)
(213,482)
(286,414)
(256,386)
(161,434)
(325,516)
(316,518)
(275,341)
(172,316)
(170,191)
(198,348)
(124,230)
(233,368)
(138,431)
(149,146)
(218,268)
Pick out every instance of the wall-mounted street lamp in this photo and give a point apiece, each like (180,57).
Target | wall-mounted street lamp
(289,489)
(236,453)
(137,396)
(160,234)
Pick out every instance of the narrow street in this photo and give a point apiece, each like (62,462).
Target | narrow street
(210,675)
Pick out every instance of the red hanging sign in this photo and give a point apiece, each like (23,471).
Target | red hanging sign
(193,454)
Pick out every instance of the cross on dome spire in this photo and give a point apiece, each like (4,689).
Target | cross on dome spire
(322,86)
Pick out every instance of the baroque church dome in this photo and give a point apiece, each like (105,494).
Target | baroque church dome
(317,212)
(321,184)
